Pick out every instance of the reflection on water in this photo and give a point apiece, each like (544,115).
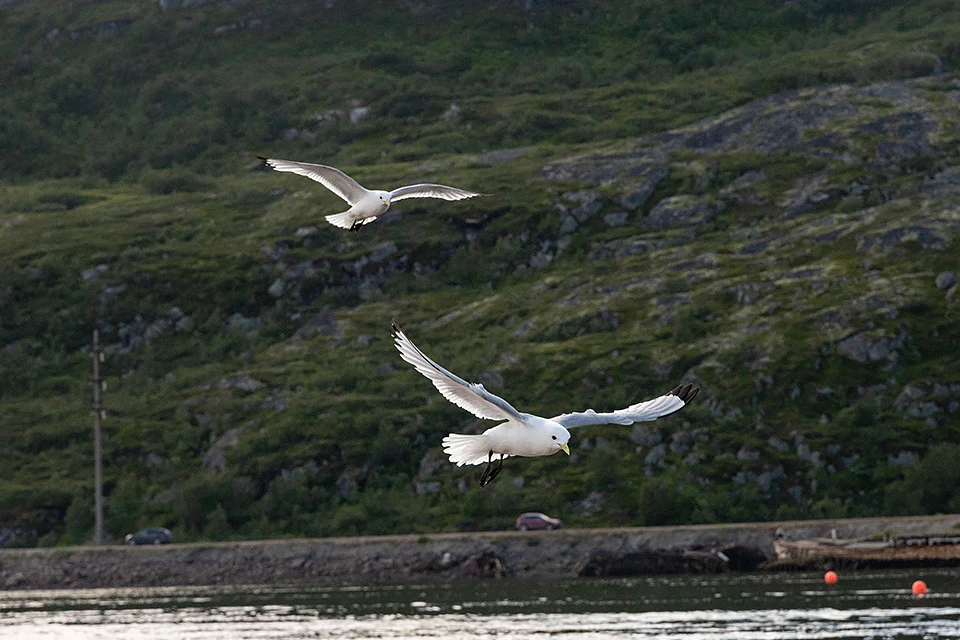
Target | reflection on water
(750,607)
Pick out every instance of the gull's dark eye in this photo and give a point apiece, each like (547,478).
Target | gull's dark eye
(554,437)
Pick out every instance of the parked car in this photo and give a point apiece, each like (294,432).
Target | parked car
(533,521)
(153,535)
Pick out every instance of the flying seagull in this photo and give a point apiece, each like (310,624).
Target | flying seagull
(365,205)
(521,434)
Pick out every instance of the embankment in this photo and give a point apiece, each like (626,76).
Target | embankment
(447,556)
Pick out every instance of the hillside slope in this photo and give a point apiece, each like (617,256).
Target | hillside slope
(790,255)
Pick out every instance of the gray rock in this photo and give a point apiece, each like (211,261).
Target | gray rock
(682,441)
(943,183)
(382,252)
(492,379)
(861,348)
(203,419)
(928,238)
(242,383)
(276,288)
(681,211)
(349,480)
(778,444)
(615,219)
(591,505)
(923,410)
(359,114)
(452,114)
(568,225)
(243,323)
(766,479)
(324,323)
(945,280)
(426,488)
(654,459)
(585,204)
(902,459)
(747,293)
(502,155)
(94,273)
(645,436)
(276,402)
(215,459)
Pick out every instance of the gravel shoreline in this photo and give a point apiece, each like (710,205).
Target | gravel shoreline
(448,556)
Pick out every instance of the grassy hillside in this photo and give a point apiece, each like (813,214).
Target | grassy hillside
(783,254)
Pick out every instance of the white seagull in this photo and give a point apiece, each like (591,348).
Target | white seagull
(365,205)
(522,434)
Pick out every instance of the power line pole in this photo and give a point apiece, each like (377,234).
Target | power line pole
(98,386)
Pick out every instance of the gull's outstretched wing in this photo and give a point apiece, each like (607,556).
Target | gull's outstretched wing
(643,412)
(472,397)
(333,179)
(431,191)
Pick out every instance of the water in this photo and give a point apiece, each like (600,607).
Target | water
(878,606)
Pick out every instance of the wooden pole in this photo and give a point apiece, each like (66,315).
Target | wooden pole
(97,445)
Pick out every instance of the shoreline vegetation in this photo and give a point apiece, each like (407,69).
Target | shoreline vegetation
(398,559)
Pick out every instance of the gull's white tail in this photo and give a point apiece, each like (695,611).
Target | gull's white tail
(467,449)
(343,220)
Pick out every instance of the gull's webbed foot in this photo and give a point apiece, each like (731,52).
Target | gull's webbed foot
(491,472)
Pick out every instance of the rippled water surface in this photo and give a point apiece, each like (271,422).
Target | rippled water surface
(761,607)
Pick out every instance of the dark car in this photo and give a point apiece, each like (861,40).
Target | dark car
(532,521)
(153,535)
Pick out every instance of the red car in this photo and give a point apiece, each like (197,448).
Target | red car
(532,521)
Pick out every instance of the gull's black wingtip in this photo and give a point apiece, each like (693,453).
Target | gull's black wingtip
(686,392)
(396,328)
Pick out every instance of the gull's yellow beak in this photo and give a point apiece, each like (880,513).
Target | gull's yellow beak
(565,449)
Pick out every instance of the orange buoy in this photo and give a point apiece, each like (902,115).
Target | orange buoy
(830,577)
(919,588)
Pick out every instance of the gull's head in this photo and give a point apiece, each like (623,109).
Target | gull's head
(384,198)
(559,437)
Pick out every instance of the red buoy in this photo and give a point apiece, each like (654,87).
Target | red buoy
(830,577)
(919,588)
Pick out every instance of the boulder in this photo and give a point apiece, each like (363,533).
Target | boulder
(860,348)
(681,211)
(215,459)
(243,383)
(945,280)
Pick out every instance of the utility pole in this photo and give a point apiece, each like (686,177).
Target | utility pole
(98,386)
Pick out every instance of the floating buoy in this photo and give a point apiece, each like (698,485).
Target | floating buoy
(830,577)
(919,588)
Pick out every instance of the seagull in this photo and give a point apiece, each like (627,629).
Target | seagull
(365,205)
(521,434)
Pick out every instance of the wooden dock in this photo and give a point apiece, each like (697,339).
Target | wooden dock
(930,550)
